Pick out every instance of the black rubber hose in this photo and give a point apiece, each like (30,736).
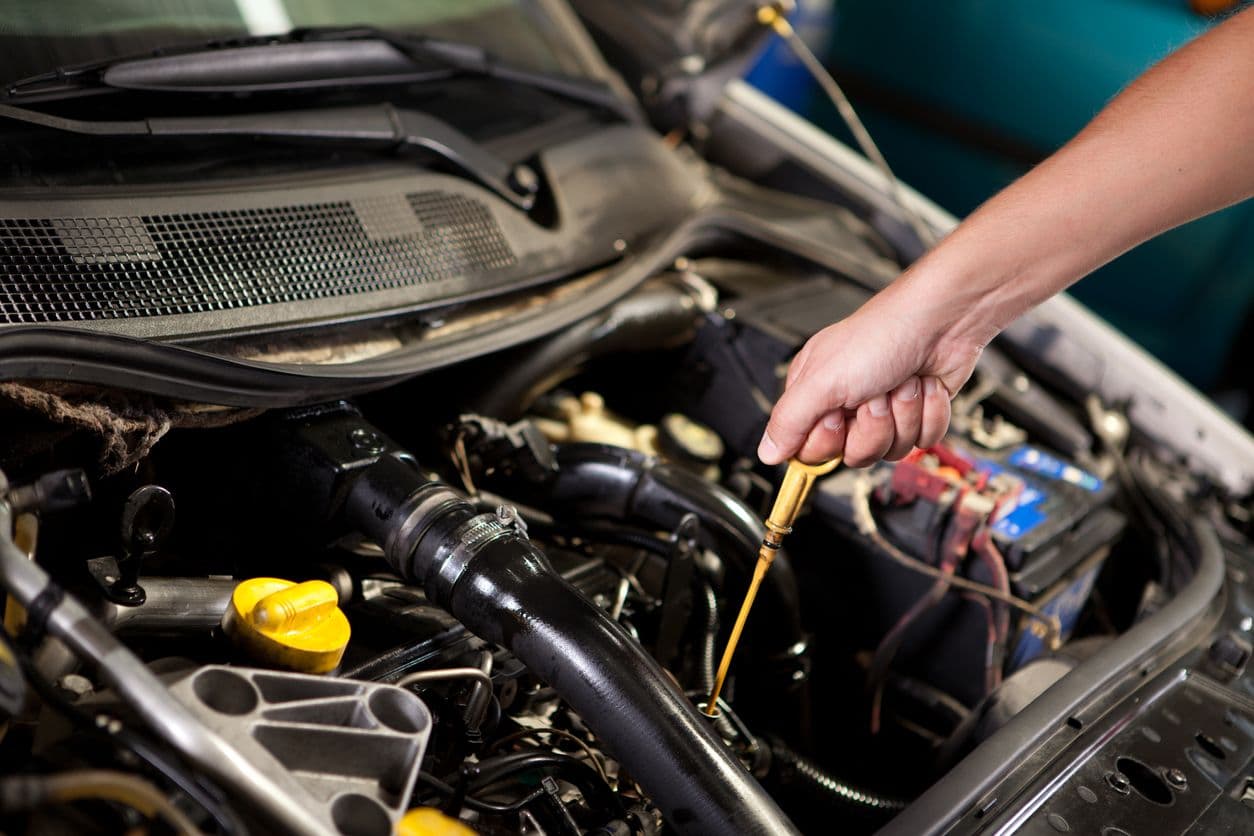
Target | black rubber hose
(600,482)
(656,316)
(791,769)
(502,588)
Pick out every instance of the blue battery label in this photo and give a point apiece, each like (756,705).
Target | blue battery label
(1021,517)
(1039,462)
(1020,520)
(1028,512)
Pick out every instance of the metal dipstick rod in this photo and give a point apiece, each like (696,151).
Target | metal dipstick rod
(793,492)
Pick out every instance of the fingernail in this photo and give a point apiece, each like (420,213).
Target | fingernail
(929,386)
(877,406)
(908,391)
(833,421)
(768,452)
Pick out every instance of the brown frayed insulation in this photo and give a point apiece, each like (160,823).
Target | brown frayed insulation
(128,427)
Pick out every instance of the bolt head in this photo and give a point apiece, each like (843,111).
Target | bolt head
(366,441)
(524,179)
(75,685)
(1118,782)
(1177,778)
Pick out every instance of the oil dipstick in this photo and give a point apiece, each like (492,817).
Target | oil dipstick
(793,491)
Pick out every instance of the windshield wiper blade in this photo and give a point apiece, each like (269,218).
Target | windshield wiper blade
(270,67)
(306,59)
(381,125)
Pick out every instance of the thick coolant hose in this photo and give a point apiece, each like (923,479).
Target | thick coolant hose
(494,580)
(598,481)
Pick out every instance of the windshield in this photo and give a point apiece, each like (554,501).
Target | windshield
(40,35)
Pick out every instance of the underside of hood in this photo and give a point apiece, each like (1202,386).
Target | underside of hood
(676,54)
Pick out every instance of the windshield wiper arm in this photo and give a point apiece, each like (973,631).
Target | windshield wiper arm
(307,59)
(383,124)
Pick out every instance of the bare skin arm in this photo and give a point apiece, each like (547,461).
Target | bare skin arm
(1177,144)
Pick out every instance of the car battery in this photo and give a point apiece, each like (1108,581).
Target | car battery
(1051,524)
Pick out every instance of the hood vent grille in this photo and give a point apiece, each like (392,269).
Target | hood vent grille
(83,269)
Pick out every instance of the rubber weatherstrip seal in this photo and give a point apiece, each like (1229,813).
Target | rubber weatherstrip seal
(186,373)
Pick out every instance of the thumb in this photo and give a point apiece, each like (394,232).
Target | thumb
(794,416)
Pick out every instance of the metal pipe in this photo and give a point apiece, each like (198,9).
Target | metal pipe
(480,698)
(174,606)
(480,695)
(444,675)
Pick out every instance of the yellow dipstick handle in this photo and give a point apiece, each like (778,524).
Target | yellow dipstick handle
(793,492)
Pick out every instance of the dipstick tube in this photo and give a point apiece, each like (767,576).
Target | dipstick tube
(793,491)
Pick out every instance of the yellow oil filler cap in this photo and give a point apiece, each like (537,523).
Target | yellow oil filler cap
(297,626)
(428,821)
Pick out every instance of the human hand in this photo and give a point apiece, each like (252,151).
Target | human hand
(872,386)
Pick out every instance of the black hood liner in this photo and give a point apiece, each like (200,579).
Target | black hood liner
(676,53)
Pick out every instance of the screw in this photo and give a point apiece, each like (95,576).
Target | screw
(508,516)
(1177,779)
(524,179)
(366,441)
(1118,782)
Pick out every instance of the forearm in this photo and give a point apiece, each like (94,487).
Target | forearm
(1177,144)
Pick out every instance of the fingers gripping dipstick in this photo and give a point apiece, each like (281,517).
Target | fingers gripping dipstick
(793,492)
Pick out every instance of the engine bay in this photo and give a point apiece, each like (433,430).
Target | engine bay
(495,593)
